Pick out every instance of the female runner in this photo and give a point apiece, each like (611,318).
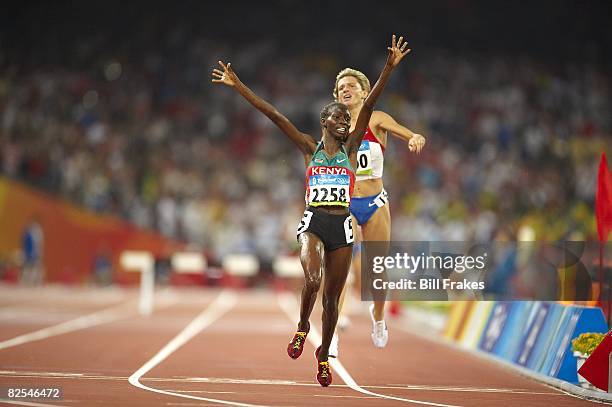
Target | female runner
(325,232)
(369,205)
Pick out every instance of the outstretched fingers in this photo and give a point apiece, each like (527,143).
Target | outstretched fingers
(222,65)
(225,76)
(399,41)
(402,46)
(398,49)
(217,75)
(227,68)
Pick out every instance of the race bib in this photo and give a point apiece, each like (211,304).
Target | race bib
(327,189)
(348,230)
(364,159)
(305,221)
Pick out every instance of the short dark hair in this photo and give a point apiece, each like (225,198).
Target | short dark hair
(326,109)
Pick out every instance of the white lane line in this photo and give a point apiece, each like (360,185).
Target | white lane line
(104,316)
(86,321)
(28,403)
(14,373)
(221,305)
(289,304)
(272,382)
(205,391)
(345,397)
(466,389)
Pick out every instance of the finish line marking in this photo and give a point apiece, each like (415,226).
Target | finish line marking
(289,304)
(271,382)
(219,307)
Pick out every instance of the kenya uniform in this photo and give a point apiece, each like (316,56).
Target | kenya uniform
(329,182)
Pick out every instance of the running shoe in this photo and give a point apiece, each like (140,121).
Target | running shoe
(333,346)
(380,333)
(296,346)
(324,375)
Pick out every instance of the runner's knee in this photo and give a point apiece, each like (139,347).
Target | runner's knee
(312,281)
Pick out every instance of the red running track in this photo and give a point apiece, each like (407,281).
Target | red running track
(204,347)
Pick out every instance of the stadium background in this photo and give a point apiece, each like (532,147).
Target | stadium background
(110,107)
(112,136)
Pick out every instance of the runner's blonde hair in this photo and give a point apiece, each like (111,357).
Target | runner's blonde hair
(361,78)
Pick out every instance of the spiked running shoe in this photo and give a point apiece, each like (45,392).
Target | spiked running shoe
(380,334)
(324,375)
(296,346)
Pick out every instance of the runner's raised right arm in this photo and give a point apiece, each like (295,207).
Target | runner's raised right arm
(397,51)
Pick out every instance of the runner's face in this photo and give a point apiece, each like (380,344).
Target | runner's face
(338,122)
(350,92)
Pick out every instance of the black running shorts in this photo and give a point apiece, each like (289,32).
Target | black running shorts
(335,231)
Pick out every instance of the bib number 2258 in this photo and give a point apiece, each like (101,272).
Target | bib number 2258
(328,194)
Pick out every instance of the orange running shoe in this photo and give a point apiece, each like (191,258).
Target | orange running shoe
(296,346)
(324,375)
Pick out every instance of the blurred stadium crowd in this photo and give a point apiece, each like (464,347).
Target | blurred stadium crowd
(136,129)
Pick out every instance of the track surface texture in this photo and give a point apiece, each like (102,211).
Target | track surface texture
(213,347)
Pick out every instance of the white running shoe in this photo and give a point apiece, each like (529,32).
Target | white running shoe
(333,346)
(380,333)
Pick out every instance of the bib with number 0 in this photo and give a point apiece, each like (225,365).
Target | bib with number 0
(364,159)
